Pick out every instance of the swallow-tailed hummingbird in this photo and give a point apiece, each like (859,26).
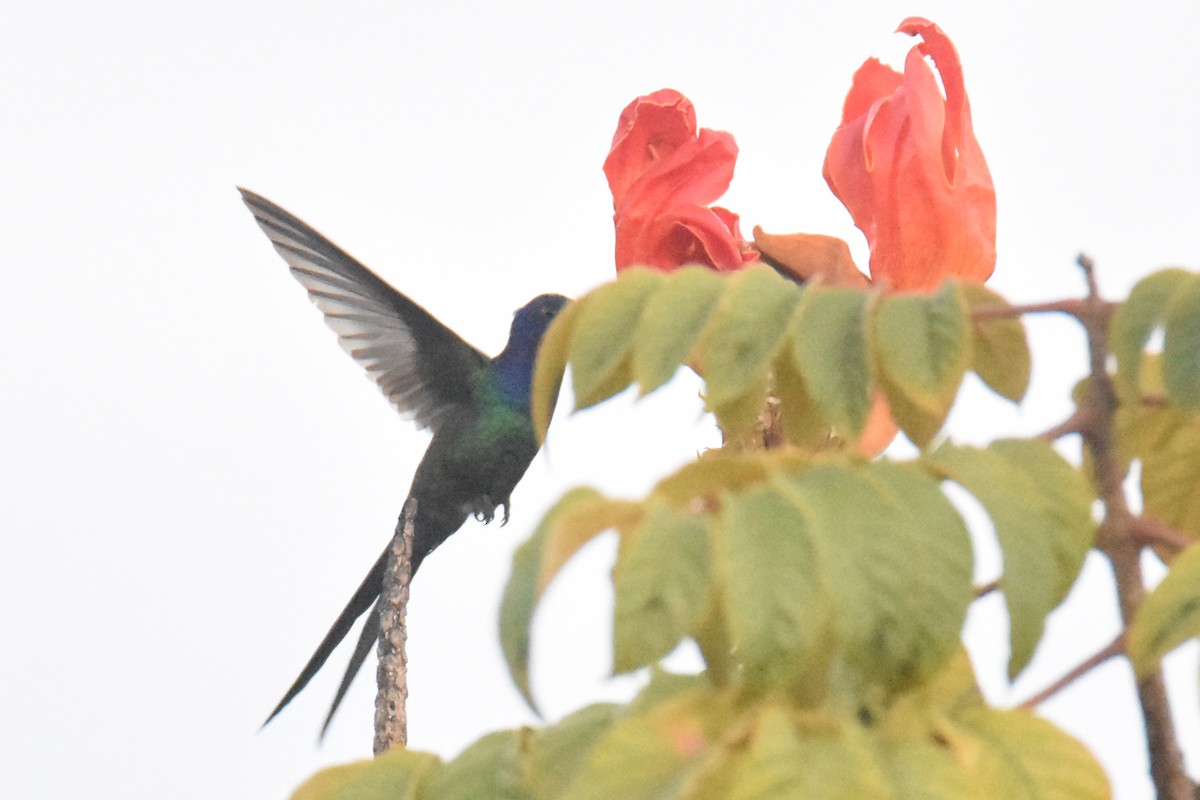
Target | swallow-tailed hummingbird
(477,407)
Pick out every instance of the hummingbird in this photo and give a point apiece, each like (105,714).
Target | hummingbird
(476,407)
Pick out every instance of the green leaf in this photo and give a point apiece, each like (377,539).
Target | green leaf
(1181,346)
(1041,509)
(1169,616)
(397,774)
(604,334)
(803,421)
(711,474)
(738,417)
(897,560)
(661,586)
(789,755)
(557,753)
(550,366)
(1137,318)
(745,332)
(829,349)
(919,424)
(671,323)
(489,768)
(1020,755)
(928,767)
(999,348)
(922,346)
(649,756)
(1170,454)
(577,517)
(771,584)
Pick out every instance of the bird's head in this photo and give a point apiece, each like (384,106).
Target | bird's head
(531,320)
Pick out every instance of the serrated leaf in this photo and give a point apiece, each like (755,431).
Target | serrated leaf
(660,586)
(999,347)
(1181,346)
(649,756)
(1041,510)
(491,768)
(770,578)
(550,366)
(671,323)
(1170,480)
(745,332)
(779,758)
(604,332)
(897,560)
(829,349)
(577,517)
(1169,616)
(1021,755)
(922,345)
(1136,319)
(557,753)
(397,774)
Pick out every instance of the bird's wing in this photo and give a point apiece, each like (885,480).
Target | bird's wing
(423,367)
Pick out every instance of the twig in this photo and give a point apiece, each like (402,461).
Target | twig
(986,589)
(1079,420)
(391,718)
(1118,541)
(1073,307)
(1113,648)
(1150,531)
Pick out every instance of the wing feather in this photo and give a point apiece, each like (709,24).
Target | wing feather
(422,367)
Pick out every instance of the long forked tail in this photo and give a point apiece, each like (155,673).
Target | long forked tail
(364,598)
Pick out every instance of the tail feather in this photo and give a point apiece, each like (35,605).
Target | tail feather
(364,598)
(368,637)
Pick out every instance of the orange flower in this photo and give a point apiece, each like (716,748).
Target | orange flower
(907,166)
(663,173)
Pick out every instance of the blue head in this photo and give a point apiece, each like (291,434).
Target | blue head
(514,367)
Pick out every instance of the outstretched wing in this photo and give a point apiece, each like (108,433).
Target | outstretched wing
(421,366)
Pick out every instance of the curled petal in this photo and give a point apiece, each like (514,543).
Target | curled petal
(689,234)
(650,130)
(906,164)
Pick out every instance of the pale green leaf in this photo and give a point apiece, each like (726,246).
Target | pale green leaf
(1170,480)
(829,349)
(1041,510)
(999,347)
(896,560)
(1136,319)
(1169,616)
(671,323)
(604,333)
(803,421)
(738,417)
(490,768)
(790,755)
(745,332)
(550,366)
(660,586)
(1181,346)
(398,774)
(1019,756)
(649,756)
(572,522)
(923,344)
(710,474)
(557,753)
(770,577)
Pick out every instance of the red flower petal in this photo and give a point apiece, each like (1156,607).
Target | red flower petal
(906,164)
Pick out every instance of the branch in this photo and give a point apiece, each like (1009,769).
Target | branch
(1150,531)
(1118,541)
(1073,307)
(1113,648)
(391,719)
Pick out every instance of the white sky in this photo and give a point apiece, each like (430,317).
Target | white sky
(195,477)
